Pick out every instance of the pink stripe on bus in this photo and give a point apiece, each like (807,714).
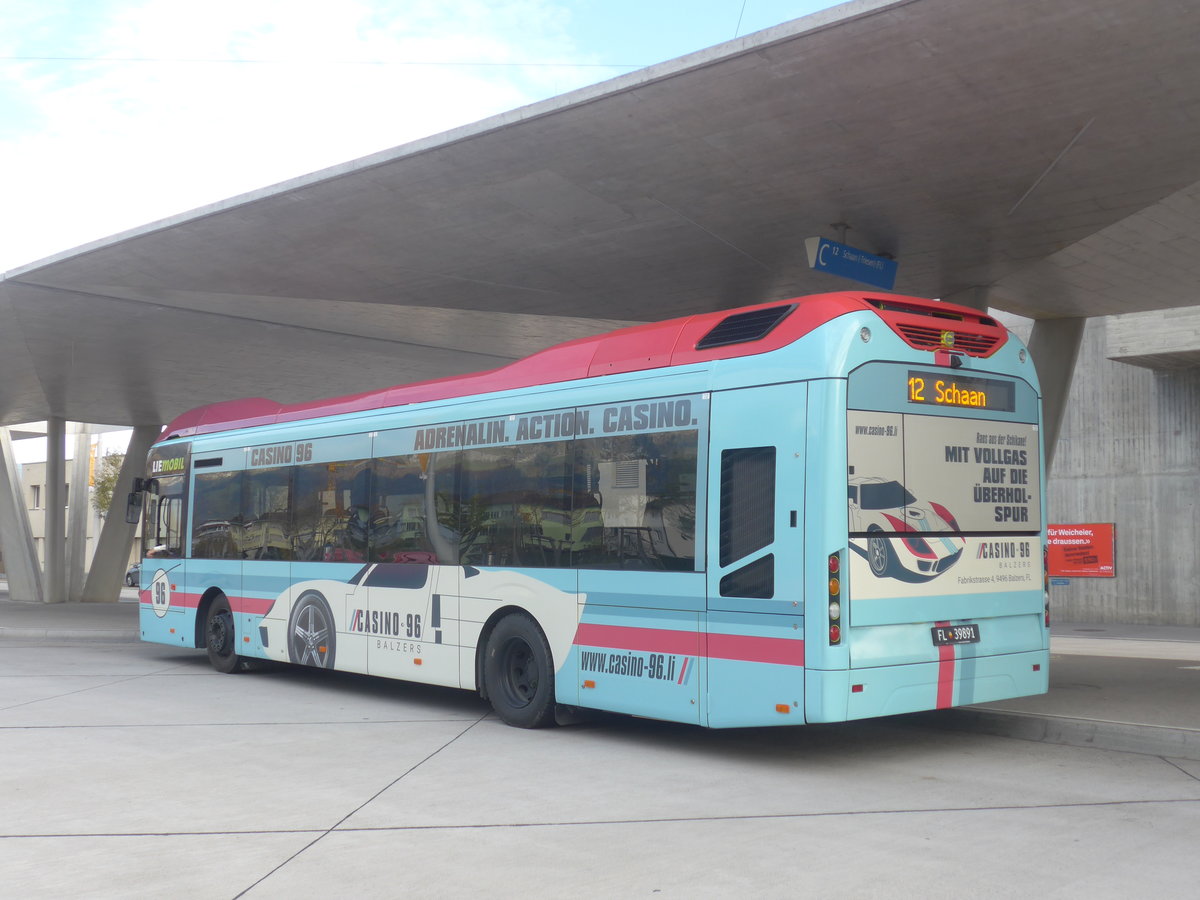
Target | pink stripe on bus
(654,640)
(945,682)
(781,651)
(744,648)
(252,605)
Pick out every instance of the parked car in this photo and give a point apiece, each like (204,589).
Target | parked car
(133,575)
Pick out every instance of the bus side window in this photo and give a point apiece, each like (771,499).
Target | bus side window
(401,522)
(747,521)
(639,505)
(266,514)
(747,502)
(329,519)
(216,522)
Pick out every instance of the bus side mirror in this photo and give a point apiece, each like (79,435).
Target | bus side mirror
(133,508)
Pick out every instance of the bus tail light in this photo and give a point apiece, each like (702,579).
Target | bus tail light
(1046,581)
(835,598)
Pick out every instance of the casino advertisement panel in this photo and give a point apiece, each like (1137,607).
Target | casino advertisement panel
(891,568)
(918,485)
(985,473)
(942,474)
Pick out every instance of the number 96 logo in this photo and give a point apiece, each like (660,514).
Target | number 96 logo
(160,593)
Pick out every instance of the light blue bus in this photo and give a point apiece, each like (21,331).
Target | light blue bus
(816,510)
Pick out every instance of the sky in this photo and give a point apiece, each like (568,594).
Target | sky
(116,113)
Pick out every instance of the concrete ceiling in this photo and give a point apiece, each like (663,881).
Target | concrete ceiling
(1039,156)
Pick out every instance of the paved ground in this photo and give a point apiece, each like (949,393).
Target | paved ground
(134,770)
(1113,686)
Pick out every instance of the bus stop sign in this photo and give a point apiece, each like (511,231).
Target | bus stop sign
(844,261)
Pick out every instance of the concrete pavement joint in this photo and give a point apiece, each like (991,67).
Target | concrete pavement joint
(770,816)
(372,798)
(297,724)
(25,633)
(84,690)
(587,823)
(1171,762)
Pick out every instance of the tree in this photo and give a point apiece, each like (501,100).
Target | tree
(105,481)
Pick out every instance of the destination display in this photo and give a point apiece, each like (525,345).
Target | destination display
(964,391)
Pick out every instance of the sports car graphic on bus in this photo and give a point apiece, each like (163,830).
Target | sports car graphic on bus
(925,545)
(410,620)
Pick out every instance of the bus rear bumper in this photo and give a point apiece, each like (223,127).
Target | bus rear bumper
(836,696)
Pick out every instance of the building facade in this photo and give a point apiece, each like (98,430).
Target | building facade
(1129,453)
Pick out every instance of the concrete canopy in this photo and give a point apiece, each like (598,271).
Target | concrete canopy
(1036,155)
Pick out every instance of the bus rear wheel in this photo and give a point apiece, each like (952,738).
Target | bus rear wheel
(518,672)
(220,638)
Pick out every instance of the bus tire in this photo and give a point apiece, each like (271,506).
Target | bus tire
(518,672)
(220,637)
(312,636)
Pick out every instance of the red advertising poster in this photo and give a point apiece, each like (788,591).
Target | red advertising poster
(1083,551)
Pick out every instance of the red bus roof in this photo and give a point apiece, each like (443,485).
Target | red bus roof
(674,342)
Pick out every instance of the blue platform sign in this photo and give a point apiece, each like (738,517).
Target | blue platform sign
(844,261)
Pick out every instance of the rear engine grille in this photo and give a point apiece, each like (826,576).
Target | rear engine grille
(928,327)
(931,339)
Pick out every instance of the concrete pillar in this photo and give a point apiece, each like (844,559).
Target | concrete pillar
(55,578)
(79,501)
(16,537)
(111,558)
(1054,346)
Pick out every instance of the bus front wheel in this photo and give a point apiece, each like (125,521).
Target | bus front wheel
(518,672)
(220,637)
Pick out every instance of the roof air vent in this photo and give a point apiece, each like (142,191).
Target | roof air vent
(742,328)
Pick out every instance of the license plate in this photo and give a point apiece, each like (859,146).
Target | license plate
(947,635)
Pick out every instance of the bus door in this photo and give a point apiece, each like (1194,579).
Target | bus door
(756,546)
(165,614)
